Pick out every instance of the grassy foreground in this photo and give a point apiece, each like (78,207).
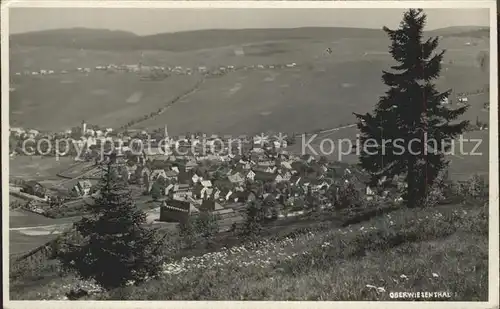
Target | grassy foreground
(444,249)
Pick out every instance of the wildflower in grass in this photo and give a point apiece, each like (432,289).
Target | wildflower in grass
(403,276)
(324,245)
(434,275)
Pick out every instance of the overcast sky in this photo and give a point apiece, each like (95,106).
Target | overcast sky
(151,21)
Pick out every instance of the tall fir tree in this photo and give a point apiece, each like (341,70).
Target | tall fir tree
(113,247)
(411,110)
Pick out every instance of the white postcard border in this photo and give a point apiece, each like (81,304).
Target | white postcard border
(493,131)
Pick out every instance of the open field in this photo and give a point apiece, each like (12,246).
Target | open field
(97,46)
(38,167)
(98,98)
(21,222)
(301,99)
(321,92)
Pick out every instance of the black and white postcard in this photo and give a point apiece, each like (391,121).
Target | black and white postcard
(314,152)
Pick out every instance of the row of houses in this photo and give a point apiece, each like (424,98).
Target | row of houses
(140,68)
(231,184)
(184,200)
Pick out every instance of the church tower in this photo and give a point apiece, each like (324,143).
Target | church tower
(84,127)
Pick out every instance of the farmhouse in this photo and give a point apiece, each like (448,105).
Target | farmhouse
(141,173)
(169,188)
(203,192)
(445,101)
(34,188)
(250,175)
(206,183)
(236,178)
(16,131)
(181,191)
(177,210)
(33,132)
(171,174)
(369,193)
(190,165)
(83,187)
(287,165)
(158,173)
(286,175)
(267,177)
(210,205)
(196,178)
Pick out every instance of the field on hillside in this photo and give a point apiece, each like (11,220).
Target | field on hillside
(60,102)
(251,53)
(322,92)
(38,167)
(473,160)
(301,99)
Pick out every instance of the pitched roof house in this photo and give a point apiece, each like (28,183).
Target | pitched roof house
(286,175)
(34,188)
(266,176)
(196,178)
(206,183)
(210,205)
(286,165)
(158,173)
(250,175)
(236,178)
(295,180)
(169,188)
(83,187)
(171,174)
(191,164)
(176,210)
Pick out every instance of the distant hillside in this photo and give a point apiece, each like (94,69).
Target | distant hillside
(191,40)
(463,31)
(480,33)
(99,39)
(179,41)
(72,38)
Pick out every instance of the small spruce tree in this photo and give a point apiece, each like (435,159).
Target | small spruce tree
(254,217)
(156,191)
(113,245)
(410,111)
(207,226)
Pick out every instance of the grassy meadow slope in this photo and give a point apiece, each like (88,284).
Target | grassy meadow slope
(322,91)
(442,249)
